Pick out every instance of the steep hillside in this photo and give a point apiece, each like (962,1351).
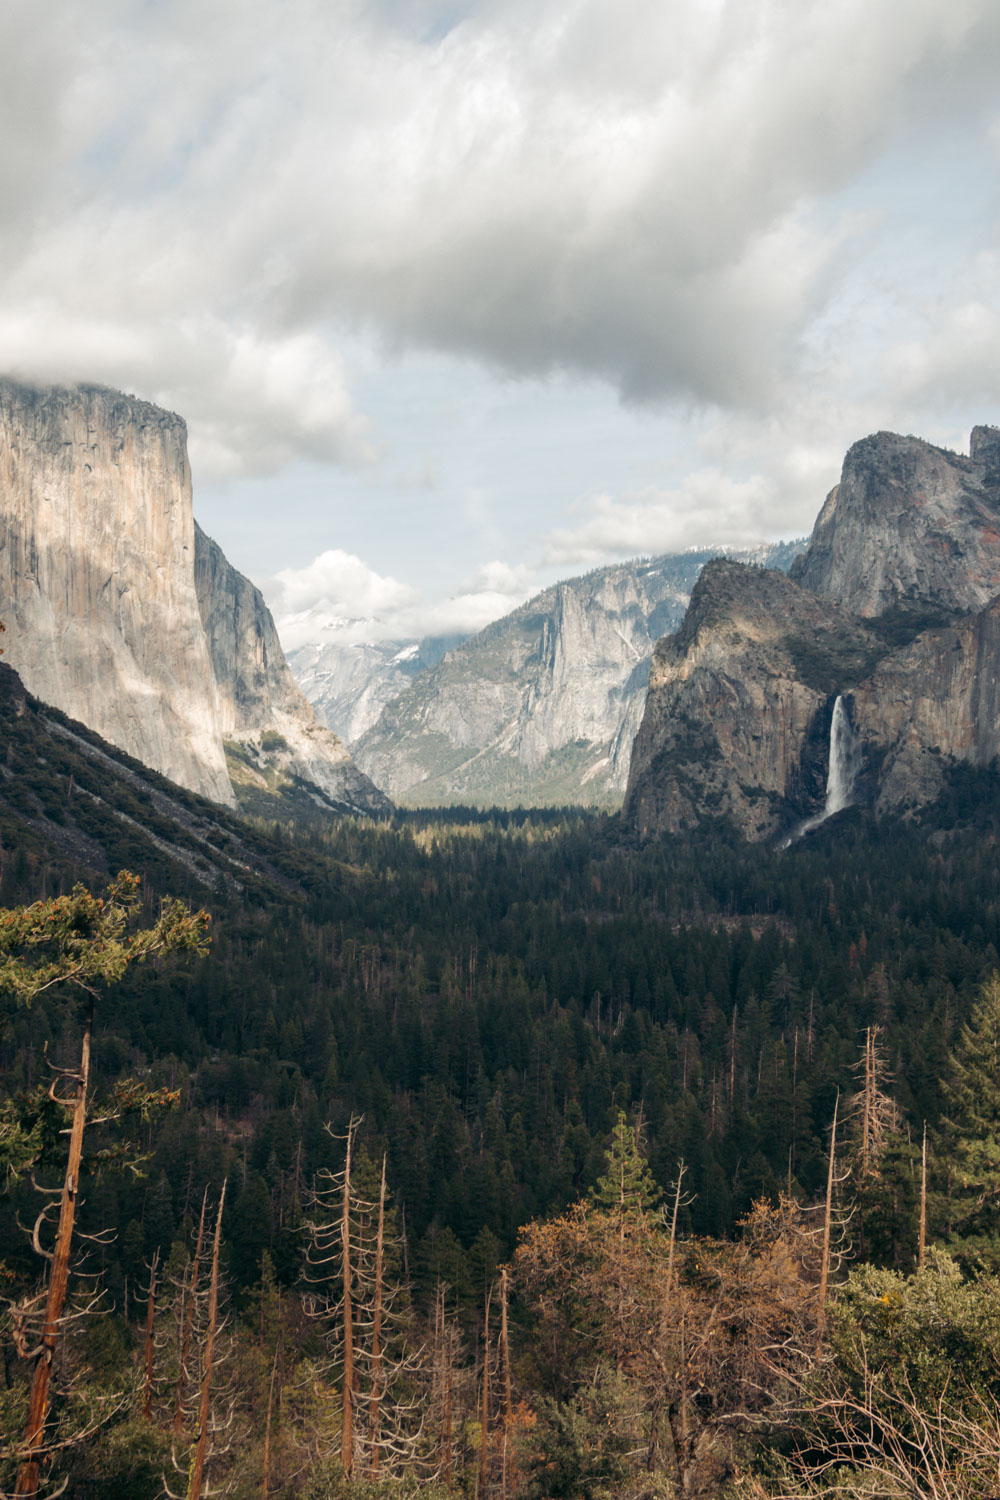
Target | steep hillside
(71,801)
(273,739)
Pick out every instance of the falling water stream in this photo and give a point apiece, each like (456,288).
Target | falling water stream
(842,773)
(843,770)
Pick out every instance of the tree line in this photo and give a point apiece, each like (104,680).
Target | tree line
(496,1018)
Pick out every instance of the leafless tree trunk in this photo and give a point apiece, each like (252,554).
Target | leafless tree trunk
(374,1405)
(187,1320)
(508,1404)
(922,1235)
(824,1274)
(674,1215)
(347,1322)
(147,1387)
(204,1409)
(446,1378)
(38,1404)
(484,1434)
(266,1485)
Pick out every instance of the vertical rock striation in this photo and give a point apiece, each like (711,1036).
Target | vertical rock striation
(97,575)
(542,706)
(122,614)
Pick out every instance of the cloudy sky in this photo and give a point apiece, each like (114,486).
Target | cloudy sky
(458,298)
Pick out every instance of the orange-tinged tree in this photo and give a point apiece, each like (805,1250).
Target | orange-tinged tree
(82,942)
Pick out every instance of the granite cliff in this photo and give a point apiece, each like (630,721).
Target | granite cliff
(106,622)
(272,736)
(350,681)
(736,718)
(542,706)
(909,525)
(895,606)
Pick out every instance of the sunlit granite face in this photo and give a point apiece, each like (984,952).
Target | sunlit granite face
(97,575)
(909,524)
(105,618)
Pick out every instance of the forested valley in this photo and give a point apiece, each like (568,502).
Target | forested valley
(499,1155)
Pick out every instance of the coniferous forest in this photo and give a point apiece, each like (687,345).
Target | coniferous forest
(500,1155)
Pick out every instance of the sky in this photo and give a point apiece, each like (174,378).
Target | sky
(459,298)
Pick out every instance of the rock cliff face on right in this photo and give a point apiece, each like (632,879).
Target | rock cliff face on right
(894,608)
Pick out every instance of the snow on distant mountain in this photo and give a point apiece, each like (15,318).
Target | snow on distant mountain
(539,708)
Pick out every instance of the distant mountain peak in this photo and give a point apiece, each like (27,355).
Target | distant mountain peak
(540,707)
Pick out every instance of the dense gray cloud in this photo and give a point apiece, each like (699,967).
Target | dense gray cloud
(741,214)
(642,193)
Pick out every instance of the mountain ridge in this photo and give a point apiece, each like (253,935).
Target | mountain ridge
(542,705)
(894,607)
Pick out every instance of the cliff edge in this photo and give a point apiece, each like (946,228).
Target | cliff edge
(121,614)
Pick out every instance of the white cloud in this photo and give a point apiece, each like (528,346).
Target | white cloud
(338,597)
(708,509)
(218,206)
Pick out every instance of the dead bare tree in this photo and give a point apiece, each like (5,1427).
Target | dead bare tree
(877,1437)
(82,942)
(449,1378)
(59,1263)
(148,1342)
(922,1232)
(208,1412)
(188,1303)
(348,1287)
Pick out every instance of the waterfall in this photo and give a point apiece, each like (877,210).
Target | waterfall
(843,770)
(845,759)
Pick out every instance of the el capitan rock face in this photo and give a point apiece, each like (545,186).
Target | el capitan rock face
(98,552)
(97,575)
(895,605)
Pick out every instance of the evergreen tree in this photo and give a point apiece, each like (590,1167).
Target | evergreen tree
(970,1143)
(627,1187)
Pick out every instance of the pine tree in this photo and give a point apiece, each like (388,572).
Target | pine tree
(627,1189)
(970,1145)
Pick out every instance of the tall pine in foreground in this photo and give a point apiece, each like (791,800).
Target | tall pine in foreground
(970,1137)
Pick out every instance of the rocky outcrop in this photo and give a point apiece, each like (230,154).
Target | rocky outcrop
(909,526)
(895,605)
(97,575)
(269,728)
(934,702)
(542,706)
(738,710)
(98,553)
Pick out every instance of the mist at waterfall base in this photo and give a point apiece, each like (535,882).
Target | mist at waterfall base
(845,758)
